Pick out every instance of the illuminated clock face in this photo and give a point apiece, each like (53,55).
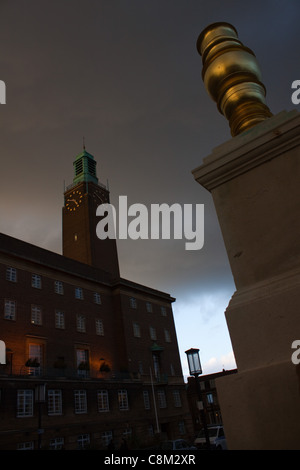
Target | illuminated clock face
(74,200)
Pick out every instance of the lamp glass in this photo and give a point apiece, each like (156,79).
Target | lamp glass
(194,361)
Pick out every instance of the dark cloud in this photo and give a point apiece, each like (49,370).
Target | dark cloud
(126,75)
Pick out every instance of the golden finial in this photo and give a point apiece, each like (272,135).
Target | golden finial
(232,77)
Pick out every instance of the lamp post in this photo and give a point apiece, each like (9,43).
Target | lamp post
(195,370)
(40,398)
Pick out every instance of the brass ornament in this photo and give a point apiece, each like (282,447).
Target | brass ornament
(232,77)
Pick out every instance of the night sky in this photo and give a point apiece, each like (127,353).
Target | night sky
(126,75)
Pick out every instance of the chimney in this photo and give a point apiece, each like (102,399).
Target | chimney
(232,77)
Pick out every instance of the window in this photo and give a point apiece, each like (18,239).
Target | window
(80,401)
(11,274)
(123,400)
(83,365)
(146,399)
(167,336)
(83,441)
(58,287)
(36,315)
(97,298)
(78,293)
(10,307)
(136,330)
(177,398)
(163,311)
(152,333)
(57,443)
(132,302)
(54,402)
(210,398)
(99,327)
(24,403)
(35,359)
(59,319)
(80,322)
(25,446)
(106,437)
(36,281)
(161,396)
(149,307)
(103,403)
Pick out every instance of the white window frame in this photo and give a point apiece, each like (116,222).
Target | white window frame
(99,327)
(103,401)
(78,293)
(36,315)
(80,402)
(11,274)
(10,309)
(24,403)
(36,281)
(161,399)
(54,402)
(97,298)
(123,400)
(58,287)
(60,319)
(133,302)
(81,323)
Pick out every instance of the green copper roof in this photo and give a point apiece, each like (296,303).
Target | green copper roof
(85,168)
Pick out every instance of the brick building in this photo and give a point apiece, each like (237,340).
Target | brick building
(206,392)
(102,348)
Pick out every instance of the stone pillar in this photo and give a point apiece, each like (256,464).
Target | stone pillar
(254,179)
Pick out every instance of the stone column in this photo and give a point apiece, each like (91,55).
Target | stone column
(254,179)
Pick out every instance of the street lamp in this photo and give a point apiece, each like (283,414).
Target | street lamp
(40,398)
(195,370)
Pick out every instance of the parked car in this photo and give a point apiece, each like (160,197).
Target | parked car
(221,443)
(214,433)
(178,444)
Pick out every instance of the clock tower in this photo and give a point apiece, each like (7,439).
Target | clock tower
(81,200)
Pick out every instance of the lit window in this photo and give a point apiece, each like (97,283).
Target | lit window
(78,293)
(36,315)
(11,274)
(36,281)
(10,307)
